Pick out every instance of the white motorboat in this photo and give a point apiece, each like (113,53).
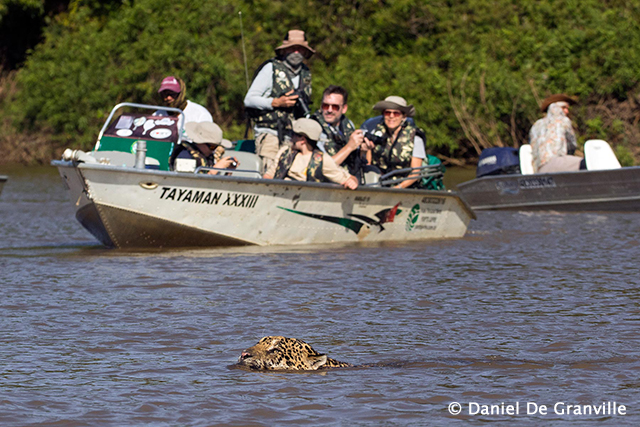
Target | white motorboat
(125,206)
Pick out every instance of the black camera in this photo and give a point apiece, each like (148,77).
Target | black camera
(378,140)
(234,163)
(301,108)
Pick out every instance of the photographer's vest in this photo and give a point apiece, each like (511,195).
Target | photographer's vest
(200,158)
(314,168)
(337,138)
(394,155)
(281,84)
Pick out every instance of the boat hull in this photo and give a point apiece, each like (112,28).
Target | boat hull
(136,208)
(603,190)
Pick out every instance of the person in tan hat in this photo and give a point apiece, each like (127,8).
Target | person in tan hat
(205,147)
(305,162)
(280,93)
(552,138)
(398,143)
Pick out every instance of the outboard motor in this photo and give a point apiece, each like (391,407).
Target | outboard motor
(498,161)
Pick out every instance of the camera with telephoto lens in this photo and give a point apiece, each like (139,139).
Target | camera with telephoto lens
(301,108)
(374,138)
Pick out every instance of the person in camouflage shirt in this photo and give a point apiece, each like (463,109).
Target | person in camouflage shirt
(305,162)
(280,93)
(398,144)
(339,137)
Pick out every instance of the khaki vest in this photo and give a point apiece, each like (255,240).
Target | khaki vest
(394,155)
(314,169)
(281,84)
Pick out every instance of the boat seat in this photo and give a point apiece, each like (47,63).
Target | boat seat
(598,155)
(120,158)
(526,159)
(250,163)
(371,174)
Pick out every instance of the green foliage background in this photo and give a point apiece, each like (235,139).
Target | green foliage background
(475,70)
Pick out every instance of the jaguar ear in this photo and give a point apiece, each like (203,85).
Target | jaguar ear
(317,361)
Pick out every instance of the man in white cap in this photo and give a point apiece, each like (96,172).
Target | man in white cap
(399,143)
(305,162)
(271,102)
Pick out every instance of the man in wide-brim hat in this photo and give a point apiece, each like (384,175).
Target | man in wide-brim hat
(295,38)
(559,97)
(304,161)
(280,93)
(399,143)
(552,138)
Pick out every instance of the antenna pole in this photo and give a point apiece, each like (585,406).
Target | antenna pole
(244,52)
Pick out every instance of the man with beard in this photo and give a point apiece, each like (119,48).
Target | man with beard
(280,93)
(552,138)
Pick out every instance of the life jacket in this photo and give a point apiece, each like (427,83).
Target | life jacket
(200,158)
(337,138)
(281,84)
(314,168)
(394,154)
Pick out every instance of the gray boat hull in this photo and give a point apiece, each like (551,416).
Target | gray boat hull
(3,179)
(139,208)
(603,190)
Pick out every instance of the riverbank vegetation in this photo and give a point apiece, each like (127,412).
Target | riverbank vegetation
(476,70)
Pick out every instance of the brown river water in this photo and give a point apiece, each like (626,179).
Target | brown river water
(529,312)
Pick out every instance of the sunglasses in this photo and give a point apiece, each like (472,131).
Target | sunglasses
(331,107)
(170,93)
(392,113)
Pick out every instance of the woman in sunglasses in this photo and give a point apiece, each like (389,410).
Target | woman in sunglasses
(397,143)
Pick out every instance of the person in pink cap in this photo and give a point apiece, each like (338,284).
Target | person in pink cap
(280,93)
(173,93)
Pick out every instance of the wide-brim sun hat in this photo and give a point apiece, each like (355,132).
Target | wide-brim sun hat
(307,127)
(558,97)
(204,132)
(395,103)
(296,38)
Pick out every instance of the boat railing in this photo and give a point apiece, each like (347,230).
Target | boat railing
(145,107)
(205,169)
(427,171)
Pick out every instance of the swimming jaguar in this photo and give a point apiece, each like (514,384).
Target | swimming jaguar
(282,353)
